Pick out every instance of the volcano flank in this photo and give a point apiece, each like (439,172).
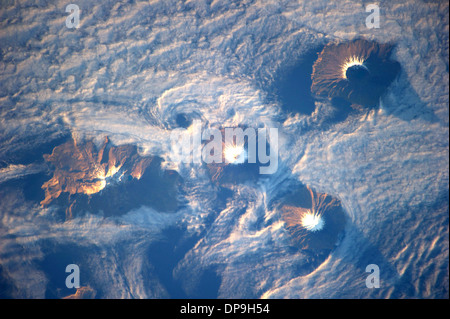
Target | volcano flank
(359,72)
(296,211)
(112,179)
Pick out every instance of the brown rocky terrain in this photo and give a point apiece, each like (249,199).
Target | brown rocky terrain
(336,75)
(85,292)
(300,202)
(113,179)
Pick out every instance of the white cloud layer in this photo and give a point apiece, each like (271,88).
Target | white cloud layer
(130,69)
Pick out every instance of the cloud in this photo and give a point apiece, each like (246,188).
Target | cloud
(14,171)
(131,68)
